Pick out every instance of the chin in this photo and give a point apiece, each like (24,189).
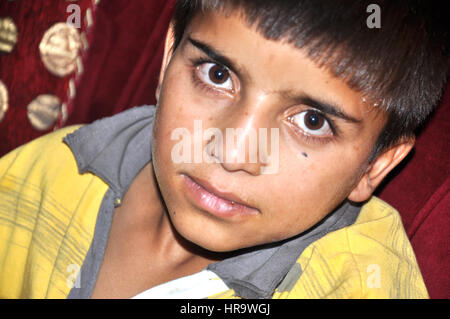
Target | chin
(207,238)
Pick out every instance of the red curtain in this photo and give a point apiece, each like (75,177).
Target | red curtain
(124,59)
(118,67)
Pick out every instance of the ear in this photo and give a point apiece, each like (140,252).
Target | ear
(379,168)
(168,51)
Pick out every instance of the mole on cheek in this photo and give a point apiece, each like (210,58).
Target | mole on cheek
(304,154)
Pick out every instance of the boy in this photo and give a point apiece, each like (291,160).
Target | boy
(110,210)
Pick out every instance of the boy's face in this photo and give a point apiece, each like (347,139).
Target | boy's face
(325,136)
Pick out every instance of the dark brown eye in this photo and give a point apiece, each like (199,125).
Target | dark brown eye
(218,74)
(215,76)
(314,120)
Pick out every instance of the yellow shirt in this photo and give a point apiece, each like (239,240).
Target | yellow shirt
(370,259)
(48,213)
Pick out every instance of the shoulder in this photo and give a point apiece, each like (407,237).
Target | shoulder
(371,258)
(46,149)
(47,216)
(44,166)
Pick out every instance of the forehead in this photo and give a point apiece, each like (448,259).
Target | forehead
(273,66)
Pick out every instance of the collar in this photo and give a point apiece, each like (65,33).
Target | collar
(115,148)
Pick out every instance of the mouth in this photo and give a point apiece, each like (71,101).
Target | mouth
(220,204)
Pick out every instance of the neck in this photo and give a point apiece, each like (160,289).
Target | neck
(148,222)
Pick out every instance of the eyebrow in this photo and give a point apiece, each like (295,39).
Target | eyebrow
(329,108)
(214,55)
(324,107)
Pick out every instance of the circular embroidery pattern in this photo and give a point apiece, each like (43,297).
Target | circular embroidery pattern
(43,111)
(3,100)
(59,49)
(8,35)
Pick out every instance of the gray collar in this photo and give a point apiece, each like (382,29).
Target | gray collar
(117,148)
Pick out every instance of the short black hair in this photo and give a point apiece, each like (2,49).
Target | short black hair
(402,66)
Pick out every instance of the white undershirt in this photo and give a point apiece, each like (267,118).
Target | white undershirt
(200,285)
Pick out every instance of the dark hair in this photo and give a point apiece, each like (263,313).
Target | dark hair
(402,66)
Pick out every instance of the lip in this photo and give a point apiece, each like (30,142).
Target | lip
(221,204)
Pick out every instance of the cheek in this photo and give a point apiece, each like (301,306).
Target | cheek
(173,112)
(309,188)
(303,190)
(178,90)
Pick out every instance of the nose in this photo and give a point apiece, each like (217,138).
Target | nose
(249,143)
